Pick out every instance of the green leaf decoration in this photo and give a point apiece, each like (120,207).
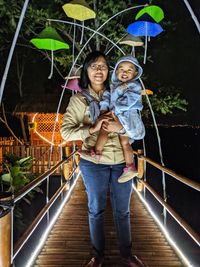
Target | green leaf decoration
(154,11)
(49,39)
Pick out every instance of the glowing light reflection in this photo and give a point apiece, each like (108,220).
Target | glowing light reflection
(43,238)
(42,137)
(163,229)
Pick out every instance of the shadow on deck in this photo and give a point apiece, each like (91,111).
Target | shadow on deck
(68,243)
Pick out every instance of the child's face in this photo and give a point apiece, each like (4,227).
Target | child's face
(126,71)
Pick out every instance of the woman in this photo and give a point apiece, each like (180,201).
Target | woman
(81,122)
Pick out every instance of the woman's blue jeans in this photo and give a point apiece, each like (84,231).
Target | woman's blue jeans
(98,180)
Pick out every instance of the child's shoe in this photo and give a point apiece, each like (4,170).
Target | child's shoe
(128,174)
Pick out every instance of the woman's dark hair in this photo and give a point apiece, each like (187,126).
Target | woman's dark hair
(91,58)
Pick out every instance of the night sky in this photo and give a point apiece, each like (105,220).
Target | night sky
(178,63)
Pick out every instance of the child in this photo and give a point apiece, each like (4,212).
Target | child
(124,99)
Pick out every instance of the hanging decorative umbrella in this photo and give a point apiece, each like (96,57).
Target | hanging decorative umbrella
(153,11)
(146,17)
(79,10)
(133,41)
(146,92)
(72,85)
(147,23)
(144,28)
(49,39)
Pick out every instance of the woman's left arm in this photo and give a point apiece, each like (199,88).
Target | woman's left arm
(72,126)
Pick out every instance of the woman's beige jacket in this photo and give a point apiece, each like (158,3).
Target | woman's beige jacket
(76,124)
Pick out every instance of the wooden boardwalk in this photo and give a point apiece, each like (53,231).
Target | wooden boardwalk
(68,243)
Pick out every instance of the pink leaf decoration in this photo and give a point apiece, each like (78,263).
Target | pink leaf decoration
(72,85)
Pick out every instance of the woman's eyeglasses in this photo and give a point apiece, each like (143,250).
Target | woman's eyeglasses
(98,67)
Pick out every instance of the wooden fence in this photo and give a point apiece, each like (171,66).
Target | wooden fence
(43,155)
(43,158)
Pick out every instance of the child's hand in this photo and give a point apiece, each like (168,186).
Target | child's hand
(104,118)
(113,126)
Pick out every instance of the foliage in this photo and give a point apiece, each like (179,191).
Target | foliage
(16,172)
(36,17)
(165,101)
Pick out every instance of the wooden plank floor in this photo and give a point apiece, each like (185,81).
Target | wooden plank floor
(68,243)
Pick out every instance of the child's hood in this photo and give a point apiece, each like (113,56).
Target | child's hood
(131,59)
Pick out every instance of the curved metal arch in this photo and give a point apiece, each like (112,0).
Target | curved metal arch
(85,27)
(77,57)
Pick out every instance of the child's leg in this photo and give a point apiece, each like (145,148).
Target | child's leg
(101,140)
(127,150)
(97,151)
(130,170)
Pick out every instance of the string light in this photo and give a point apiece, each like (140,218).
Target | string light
(41,136)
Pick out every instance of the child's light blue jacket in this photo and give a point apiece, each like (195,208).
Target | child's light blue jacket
(125,100)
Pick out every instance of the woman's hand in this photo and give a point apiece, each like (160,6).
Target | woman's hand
(104,118)
(113,125)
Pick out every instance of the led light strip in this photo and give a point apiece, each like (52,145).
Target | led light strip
(45,235)
(48,229)
(163,229)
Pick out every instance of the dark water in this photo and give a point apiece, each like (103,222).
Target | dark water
(181,149)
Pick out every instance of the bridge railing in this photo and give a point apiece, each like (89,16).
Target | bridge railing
(9,251)
(142,184)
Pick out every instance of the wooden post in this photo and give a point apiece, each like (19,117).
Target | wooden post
(5,232)
(77,160)
(140,186)
(67,167)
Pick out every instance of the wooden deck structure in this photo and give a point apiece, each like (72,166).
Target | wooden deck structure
(68,243)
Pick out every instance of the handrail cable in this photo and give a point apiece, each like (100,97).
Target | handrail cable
(181,178)
(25,190)
(195,236)
(174,214)
(23,239)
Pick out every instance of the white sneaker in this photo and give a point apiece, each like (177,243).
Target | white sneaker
(128,174)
